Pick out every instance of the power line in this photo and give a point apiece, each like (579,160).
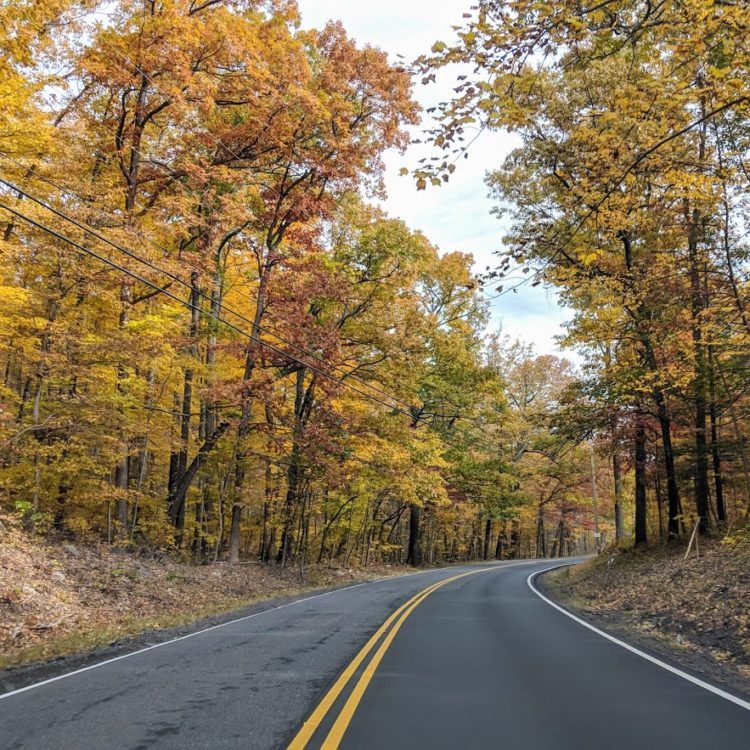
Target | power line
(160,290)
(265,329)
(222,306)
(252,337)
(90,230)
(422,415)
(190,305)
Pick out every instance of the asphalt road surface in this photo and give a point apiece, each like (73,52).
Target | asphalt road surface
(467,658)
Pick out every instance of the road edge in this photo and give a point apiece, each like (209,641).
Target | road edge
(673,668)
(23,677)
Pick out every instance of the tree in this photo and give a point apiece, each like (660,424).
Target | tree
(620,205)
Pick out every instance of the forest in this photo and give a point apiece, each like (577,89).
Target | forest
(215,344)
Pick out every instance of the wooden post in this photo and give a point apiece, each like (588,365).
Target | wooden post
(692,539)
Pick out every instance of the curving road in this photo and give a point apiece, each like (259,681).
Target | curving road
(467,657)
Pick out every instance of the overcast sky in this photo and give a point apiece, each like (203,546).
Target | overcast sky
(457,215)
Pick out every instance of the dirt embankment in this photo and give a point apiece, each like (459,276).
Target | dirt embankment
(59,598)
(694,611)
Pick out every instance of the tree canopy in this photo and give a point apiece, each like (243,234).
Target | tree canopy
(214,342)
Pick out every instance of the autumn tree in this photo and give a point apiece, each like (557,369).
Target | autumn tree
(619,192)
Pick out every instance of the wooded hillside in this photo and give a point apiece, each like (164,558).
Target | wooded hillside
(212,342)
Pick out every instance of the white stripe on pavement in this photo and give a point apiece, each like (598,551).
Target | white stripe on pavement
(685,676)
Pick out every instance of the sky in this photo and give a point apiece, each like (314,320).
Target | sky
(455,216)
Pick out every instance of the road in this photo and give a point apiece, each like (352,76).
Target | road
(466,658)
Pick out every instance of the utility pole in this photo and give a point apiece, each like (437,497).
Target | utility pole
(597,535)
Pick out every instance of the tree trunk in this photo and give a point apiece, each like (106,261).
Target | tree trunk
(721,510)
(641,536)
(701,443)
(515,539)
(243,429)
(121,469)
(303,404)
(500,542)
(659,503)
(674,524)
(594,501)
(701,466)
(674,509)
(121,504)
(487,533)
(266,515)
(617,477)
(234,533)
(177,500)
(179,459)
(738,437)
(414,556)
(557,547)
(62,496)
(541,537)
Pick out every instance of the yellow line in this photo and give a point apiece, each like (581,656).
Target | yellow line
(310,726)
(341,724)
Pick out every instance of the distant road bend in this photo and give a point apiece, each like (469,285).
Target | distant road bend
(469,657)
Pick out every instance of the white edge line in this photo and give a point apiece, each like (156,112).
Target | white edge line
(174,640)
(674,670)
(98,664)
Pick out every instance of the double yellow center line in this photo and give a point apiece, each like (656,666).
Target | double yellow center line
(394,622)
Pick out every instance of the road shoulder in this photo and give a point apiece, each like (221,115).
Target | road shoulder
(17,677)
(589,593)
